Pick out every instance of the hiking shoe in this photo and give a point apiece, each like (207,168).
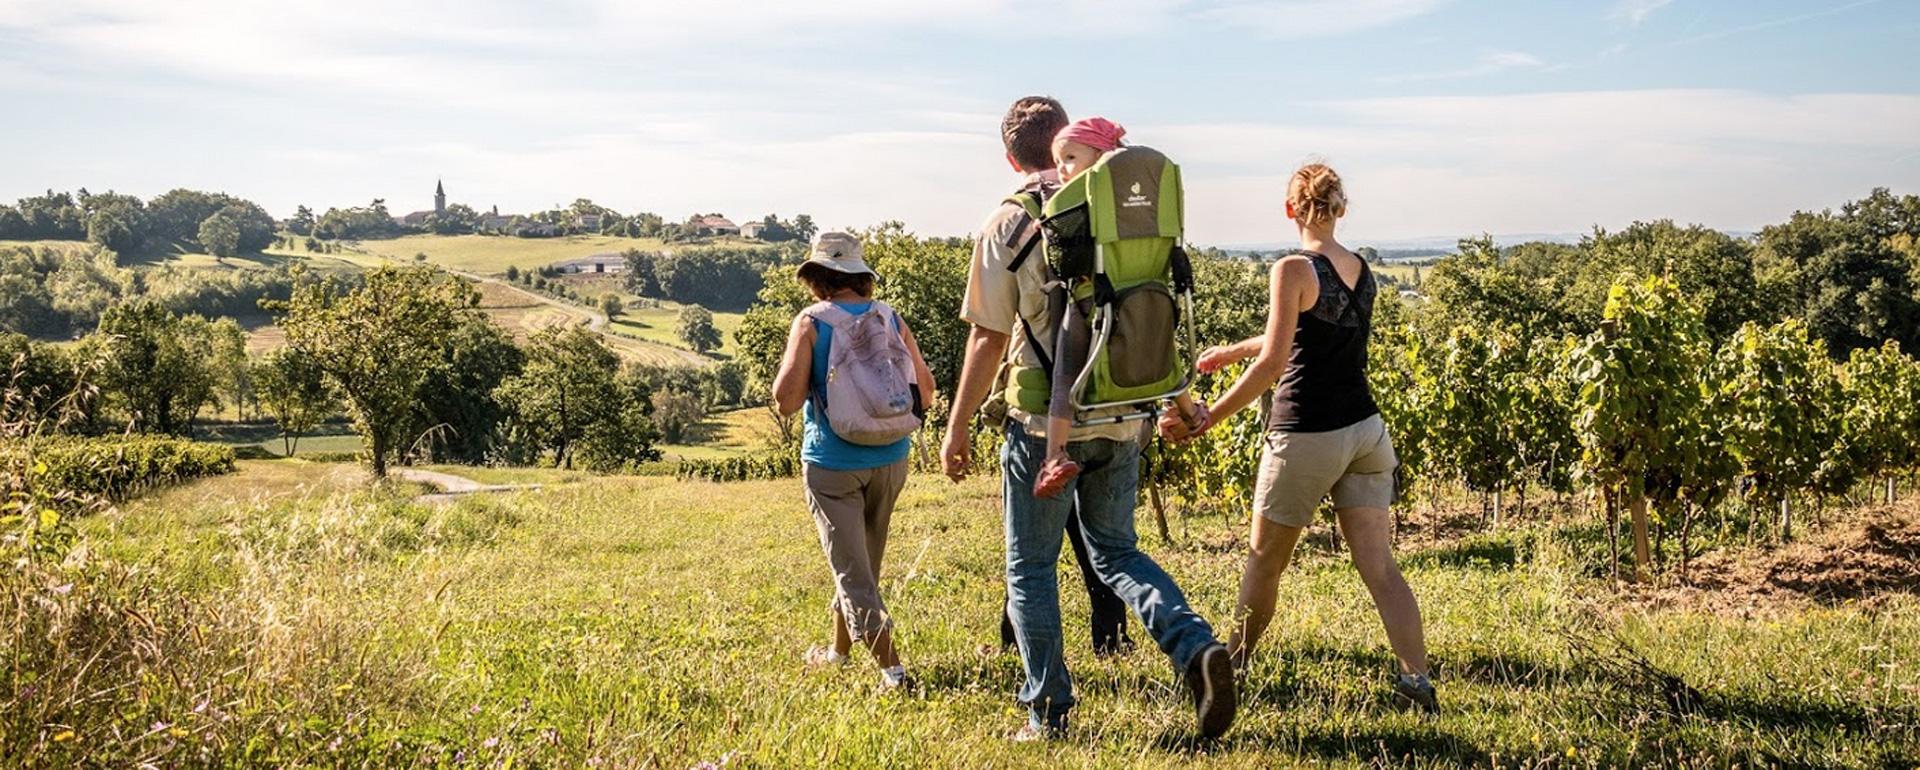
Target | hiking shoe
(1210,677)
(1415,691)
(820,656)
(1032,733)
(905,685)
(1054,476)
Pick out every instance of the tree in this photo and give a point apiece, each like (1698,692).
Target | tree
(158,366)
(117,222)
(41,385)
(13,226)
(802,228)
(513,274)
(772,230)
(457,219)
(610,305)
(302,221)
(645,224)
(456,408)
(294,390)
(641,276)
(53,216)
(378,343)
(697,330)
(220,234)
(1845,274)
(232,377)
(677,413)
(567,401)
(929,280)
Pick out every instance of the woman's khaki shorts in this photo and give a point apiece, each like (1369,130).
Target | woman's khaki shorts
(1354,464)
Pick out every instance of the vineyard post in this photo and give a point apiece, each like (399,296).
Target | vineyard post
(1160,512)
(1613,533)
(1641,553)
(1786,520)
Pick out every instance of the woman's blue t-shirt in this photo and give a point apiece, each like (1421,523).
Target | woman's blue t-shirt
(820,446)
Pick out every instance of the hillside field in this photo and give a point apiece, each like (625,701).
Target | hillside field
(493,254)
(657,321)
(640,622)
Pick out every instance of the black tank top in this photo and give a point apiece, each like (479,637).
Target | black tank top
(1325,387)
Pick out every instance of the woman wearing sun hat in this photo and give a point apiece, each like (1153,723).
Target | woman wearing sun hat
(851,487)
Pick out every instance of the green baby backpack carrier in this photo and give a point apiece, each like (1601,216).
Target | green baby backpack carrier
(1114,236)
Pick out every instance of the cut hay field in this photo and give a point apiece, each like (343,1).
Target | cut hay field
(493,254)
(521,313)
(301,620)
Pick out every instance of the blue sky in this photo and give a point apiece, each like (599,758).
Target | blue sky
(1446,116)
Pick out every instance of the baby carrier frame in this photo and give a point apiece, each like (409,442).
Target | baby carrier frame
(1114,235)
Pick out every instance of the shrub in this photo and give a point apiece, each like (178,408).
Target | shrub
(760,466)
(115,468)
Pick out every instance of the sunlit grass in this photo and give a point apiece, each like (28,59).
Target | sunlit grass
(638,622)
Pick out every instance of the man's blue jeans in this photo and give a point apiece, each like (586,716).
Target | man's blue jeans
(1108,489)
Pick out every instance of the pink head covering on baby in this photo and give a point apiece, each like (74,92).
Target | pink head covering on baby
(1099,133)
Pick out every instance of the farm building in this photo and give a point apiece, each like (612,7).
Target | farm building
(752,229)
(713,224)
(610,262)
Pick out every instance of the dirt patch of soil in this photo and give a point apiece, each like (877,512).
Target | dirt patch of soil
(1866,559)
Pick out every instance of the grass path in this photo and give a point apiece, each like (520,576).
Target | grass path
(640,622)
(451,487)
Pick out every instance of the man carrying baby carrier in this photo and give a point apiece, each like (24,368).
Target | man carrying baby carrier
(1006,304)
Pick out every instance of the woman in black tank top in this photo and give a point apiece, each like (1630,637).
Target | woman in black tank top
(1325,385)
(1325,436)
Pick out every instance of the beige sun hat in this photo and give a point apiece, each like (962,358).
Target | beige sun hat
(836,250)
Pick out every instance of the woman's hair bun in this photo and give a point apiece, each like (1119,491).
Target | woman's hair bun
(1316,194)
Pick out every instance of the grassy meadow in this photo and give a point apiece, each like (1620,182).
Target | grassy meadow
(307,620)
(656,321)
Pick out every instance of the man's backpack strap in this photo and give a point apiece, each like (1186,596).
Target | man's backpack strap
(1026,231)
(1046,361)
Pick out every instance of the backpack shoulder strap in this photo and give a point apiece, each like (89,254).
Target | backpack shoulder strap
(828,313)
(886,313)
(1026,234)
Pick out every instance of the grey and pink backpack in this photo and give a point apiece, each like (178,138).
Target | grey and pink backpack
(871,398)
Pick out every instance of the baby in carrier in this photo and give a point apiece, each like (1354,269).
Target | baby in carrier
(1075,149)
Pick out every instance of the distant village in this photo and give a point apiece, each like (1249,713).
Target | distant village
(583,217)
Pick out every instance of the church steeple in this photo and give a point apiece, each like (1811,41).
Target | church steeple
(439,197)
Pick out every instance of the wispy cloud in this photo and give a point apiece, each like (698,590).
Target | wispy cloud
(1779,22)
(1489,63)
(1635,11)
(1292,18)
